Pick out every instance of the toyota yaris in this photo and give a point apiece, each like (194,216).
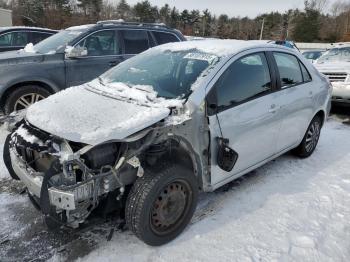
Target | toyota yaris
(148,135)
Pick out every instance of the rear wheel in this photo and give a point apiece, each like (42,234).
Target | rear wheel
(160,205)
(310,140)
(23,97)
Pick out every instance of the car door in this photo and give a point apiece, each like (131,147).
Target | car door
(103,52)
(296,99)
(242,108)
(13,40)
(135,41)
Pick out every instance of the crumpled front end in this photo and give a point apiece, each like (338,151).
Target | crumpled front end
(68,180)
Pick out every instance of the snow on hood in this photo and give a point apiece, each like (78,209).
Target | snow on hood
(93,113)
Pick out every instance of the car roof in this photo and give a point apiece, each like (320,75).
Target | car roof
(121,24)
(11,28)
(219,47)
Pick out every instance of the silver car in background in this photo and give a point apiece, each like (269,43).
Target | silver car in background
(335,64)
(150,134)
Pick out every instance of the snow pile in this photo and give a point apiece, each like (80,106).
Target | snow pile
(29,48)
(81,115)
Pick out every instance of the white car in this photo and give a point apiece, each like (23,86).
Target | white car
(150,133)
(335,64)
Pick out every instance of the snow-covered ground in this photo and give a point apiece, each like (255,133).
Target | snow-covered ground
(288,210)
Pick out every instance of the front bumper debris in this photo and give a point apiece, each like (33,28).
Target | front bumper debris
(33,180)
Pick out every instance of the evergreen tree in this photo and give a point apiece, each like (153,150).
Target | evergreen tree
(165,14)
(145,12)
(206,23)
(174,18)
(307,26)
(123,10)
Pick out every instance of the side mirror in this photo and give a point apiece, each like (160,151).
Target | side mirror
(75,52)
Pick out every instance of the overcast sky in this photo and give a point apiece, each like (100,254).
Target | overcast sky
(249,8)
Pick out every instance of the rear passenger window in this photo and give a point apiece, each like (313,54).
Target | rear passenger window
(163,38)
(289,69)
(306,74)
(5,40)
(14,39)
(135,41)
(38,37)
(246,78)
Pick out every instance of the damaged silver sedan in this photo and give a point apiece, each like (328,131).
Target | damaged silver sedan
(147,136)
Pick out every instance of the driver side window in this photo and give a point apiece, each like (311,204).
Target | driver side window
(244,79)
(101,43)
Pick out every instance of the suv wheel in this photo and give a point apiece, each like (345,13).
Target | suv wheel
(7,158)
(160,205)
(23,97)
(310,140)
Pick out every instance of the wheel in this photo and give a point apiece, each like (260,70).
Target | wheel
(310,140)
(161,205)
(7,158)
(23,97)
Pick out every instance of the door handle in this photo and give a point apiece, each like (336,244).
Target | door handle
(311,94)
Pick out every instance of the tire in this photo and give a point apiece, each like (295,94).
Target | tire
(175,189)
(7,158)
(26,93)
(310,140)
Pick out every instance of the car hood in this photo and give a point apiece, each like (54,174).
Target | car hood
(333,67)
(81,115)
(16,57)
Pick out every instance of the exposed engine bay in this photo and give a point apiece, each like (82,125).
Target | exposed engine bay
(69,180)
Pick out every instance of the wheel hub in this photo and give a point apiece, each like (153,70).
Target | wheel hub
(26,100)
(312,136)
(169,207)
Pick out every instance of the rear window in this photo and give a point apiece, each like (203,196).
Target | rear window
(163,38)
(135,41)
(289,69)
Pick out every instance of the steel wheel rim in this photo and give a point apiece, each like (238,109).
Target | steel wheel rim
(312,136)
(26,100)
(170,207)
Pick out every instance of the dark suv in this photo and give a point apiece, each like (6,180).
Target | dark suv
(72,57)
(14,38)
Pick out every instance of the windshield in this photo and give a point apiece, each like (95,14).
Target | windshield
(336,55)
(57,41)
(312,55)
(170,74)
